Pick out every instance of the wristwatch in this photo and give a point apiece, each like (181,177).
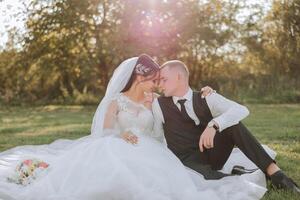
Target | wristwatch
(211,124)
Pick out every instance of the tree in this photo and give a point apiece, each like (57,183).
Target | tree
(66,47)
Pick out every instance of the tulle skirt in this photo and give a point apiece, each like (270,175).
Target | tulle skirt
(108,168)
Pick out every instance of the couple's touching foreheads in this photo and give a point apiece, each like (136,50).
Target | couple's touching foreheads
(184,144)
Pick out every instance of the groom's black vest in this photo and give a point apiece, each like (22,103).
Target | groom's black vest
(182,134)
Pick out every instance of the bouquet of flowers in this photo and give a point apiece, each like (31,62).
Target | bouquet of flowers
(27,171)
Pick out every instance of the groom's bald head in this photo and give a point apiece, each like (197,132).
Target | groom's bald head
(178,66)
(174,78)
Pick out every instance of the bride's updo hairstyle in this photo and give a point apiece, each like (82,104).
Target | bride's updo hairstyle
(146,67)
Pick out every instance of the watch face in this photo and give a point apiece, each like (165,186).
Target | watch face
(215,127)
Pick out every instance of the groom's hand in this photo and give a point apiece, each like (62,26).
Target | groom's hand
(207,138)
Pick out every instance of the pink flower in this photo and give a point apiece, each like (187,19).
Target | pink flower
(27,162)
(43,165)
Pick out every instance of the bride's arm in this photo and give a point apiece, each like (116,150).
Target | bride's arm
(206,91)
(110,124)
(111,115)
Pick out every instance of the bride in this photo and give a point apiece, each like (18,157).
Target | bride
(122,159)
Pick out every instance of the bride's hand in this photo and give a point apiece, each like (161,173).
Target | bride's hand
(129,137)
(206,91)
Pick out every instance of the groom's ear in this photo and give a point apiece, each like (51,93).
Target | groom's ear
(178,76)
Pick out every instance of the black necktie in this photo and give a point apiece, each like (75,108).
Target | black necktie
(183,110)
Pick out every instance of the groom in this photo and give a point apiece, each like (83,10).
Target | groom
(202,132)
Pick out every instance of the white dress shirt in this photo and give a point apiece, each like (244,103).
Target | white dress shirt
(225,112)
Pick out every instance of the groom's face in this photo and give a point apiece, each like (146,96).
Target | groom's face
(168,82)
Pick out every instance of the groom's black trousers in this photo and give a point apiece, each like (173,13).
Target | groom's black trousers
(211,160)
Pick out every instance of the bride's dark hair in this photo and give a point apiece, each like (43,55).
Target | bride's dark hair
(146,67)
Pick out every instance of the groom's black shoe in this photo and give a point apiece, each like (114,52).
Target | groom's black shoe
(239,170)
(281,181)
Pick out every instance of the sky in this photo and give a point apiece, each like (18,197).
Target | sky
(10,8)
(9,18)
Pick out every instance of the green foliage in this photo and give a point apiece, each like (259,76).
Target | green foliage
(273,52)
(71,47)
(61,49)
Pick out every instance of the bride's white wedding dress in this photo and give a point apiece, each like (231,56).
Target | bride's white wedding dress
(106,167)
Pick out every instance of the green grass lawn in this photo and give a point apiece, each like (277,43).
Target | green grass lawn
(275,125)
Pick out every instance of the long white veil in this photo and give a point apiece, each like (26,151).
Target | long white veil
(117,82)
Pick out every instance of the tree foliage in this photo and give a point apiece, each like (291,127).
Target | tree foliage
(71,47)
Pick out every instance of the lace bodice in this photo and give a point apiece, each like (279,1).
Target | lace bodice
(133,116)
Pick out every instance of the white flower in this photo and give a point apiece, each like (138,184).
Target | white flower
(142,69)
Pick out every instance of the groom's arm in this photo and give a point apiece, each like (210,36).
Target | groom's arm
(225,112)
(158,121)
